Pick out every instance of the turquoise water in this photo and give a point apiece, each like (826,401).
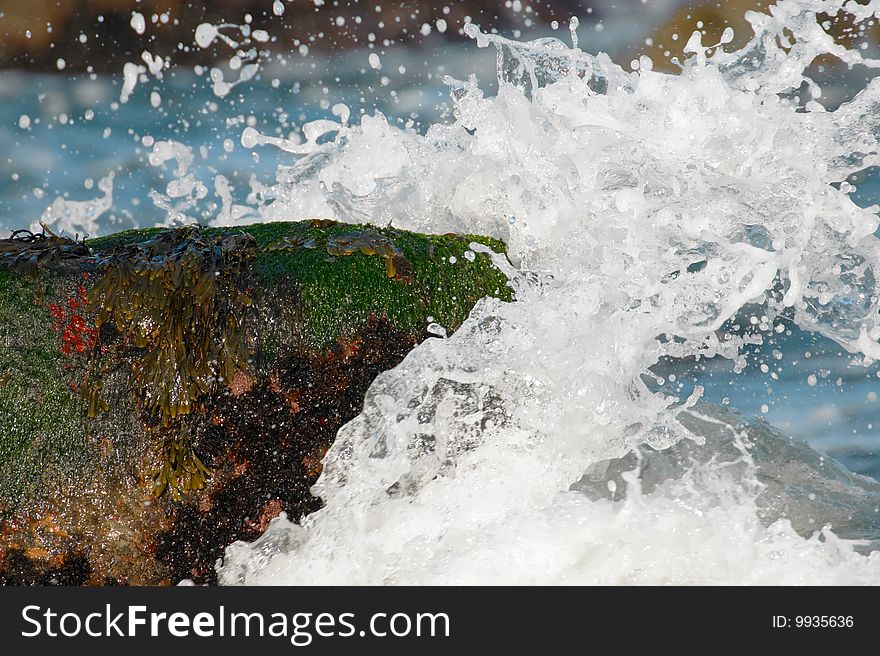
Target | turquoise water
(837,414)
(62,152)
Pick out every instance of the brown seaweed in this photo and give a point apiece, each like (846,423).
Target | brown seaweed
(293,243)
(179,299)
(180,470)
(28,252)
(369,242)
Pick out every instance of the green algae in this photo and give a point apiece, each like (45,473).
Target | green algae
(40,417)
(433,279)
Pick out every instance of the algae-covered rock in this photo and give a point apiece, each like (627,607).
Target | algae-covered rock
(164,392)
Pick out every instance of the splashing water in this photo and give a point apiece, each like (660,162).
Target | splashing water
(643,211)
(79,217)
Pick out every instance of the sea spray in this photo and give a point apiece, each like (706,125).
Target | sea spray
(643,212)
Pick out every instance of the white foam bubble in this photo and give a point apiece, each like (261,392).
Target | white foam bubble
(130,75)
(138,23)
(155,64)
(205,35)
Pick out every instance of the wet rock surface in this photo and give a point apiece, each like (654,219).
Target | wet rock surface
(265,446)
(794,482)
(167,392)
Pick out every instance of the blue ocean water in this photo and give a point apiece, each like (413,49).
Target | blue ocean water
(72,136)
(75,134)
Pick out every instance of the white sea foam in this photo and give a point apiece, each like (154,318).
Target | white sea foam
(78,217)
(642,211)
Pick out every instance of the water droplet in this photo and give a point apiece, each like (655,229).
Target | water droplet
(437,329)
(138,24)
(205,35)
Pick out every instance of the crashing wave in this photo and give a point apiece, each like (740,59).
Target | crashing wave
(643,211)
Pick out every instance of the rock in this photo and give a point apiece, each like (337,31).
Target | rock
(166,392)
(793,482)
(111,41)
(711,19)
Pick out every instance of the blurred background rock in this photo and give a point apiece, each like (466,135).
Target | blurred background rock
(38,32)
(34,34)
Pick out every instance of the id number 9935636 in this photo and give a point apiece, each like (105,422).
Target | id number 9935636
(813,621)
